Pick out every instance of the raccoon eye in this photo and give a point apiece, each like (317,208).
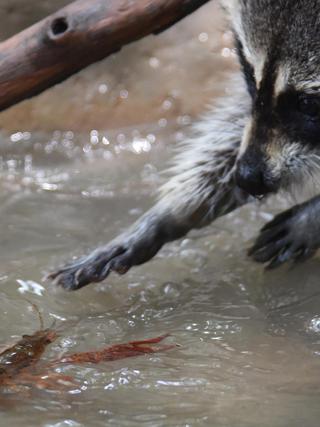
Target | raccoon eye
(310,107)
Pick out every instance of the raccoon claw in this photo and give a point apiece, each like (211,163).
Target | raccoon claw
(290,236)
(93,268)
(127,250)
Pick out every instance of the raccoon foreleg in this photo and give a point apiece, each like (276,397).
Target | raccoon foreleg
(201,190)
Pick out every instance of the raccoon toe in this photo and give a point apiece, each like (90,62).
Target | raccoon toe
(93,268)
(290,236)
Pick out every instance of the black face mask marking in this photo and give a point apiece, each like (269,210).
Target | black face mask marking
(299,116)
(247,69)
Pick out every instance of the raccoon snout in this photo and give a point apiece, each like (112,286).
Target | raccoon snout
(253,178)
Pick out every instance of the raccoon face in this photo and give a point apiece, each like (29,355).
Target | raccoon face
(279,49)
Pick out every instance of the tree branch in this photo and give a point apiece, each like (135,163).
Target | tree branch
(78,35)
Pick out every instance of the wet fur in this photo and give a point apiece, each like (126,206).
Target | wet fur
(278,47)
(201,188)
(205,162)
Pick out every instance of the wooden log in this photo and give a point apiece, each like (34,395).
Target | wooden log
(78,35)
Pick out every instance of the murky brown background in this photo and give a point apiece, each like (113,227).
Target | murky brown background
(81,162)
(160,77)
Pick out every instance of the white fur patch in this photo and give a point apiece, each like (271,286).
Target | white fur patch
(310,86)
(281,80)
(254,57)
(245,138)
(202,171)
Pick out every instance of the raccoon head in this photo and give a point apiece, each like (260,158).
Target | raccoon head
(279,49)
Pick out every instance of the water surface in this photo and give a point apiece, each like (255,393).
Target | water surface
(249,340)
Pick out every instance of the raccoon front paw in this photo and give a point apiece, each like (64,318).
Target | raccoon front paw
(293,235)
(93,268)
(132,248)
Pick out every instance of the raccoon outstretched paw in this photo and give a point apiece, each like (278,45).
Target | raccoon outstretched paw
(293,235)
(92,268)
(132,248)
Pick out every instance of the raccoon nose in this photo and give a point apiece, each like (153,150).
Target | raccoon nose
(251,178)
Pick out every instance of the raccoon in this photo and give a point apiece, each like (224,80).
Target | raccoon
(262,138)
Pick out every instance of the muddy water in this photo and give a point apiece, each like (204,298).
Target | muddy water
(249,341)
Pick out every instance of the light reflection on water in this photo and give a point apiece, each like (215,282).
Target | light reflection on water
(248,350)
